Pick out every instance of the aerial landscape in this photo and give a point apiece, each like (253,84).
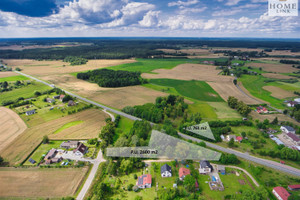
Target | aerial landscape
(149,100)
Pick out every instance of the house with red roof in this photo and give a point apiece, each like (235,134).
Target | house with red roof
(183,172)
(281,193)
(144,181)
(294,187)
(261,109)
(239,138)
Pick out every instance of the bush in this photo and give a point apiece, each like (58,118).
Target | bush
(129,187)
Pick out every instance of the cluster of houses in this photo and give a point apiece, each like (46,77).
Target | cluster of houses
(293,103)
(282,194)
(261,109)
(145,181)
(234,137)
(53,156)
(209,62)
(289,135)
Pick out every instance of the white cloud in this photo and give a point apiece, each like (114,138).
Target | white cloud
(150,19)
(232,2)
(191,10)
(183,3)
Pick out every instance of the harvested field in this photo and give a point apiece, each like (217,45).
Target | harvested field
(21,147)
(271,117)
(37,183)
(278,68)
(114,97)
(7,74)
(276,76)
(11,126)
(44,68)
(223,85)
(278,92)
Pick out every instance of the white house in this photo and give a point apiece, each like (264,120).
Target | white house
(166,171)
(287,129)
(205,167)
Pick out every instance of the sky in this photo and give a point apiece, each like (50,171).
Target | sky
(143,18)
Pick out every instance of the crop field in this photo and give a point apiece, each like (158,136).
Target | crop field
(44,68)
(279,92)
(255,84)
(277,68)
(25,92)
(223,85)
(198,90)
(21,147)
(40,183)
(276,76)
(7,74)
(11,126)
(148,65)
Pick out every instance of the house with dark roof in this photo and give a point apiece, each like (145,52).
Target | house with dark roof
(80,150)
(183,172)
(221,169)
(30,112)
(69,144)
(294,187)
(144,181)
(287,129)
(56,97)
(166,171)
(292,138)
(205,167)
(281,193)
(71,103)
(51,154)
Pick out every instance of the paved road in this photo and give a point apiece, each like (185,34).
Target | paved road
(265,162)
(91,176)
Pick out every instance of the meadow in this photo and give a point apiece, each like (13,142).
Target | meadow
(148,65)
(14,78)
(198,90)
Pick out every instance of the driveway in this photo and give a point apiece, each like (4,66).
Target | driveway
(71,156)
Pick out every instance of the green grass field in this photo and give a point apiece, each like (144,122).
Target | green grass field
(207,112)
(223,111)
(198,90)
(25,92)
(148,65)
(14,78)
(287,86)
(68,125)
(254,84)
(124,126)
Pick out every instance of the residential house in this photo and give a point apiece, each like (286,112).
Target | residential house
(229,137)
(293,138)
(30,112)
(51,154)
(221,169)
(69,144)
(205,167)
(291,103)
(166,171)
(287,129)
(71,103)
(183,172)
(281,193)
(261,109)
(144,181)
(56,160)
(239,139)
(294,187)
(80,150)
(56,97)
(61,97)
(49,100)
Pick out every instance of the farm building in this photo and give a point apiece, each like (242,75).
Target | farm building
(261,109)
(80,150)
(144,181)
(205,167)
(278,141)
(280,193)
(291,103)
(221,169)
(287,129)
(183,172)
(69,144)
(51,154)
(166,171)
(71,103)
(293,138)
(294,187)
(30,112)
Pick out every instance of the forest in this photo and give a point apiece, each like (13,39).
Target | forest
(111,78)
(121,48)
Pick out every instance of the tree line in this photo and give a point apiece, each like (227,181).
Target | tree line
(240,106)
(73,60)
(111,78)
